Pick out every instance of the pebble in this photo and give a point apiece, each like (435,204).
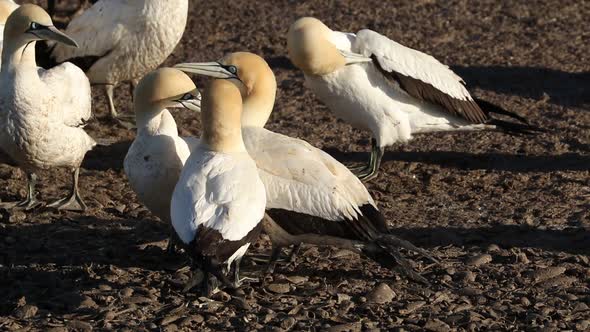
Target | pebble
(437,326)
(17,217)
(126,292)
(26,312)
(547,273)
(480,260)
(288,323)
(88,303)
(381,294)
(525,301)
(79,325)
(279,288)
(411,307)
(137,300)
(522,258)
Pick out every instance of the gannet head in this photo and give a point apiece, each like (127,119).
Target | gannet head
(310,48)
(31,23)
(251,75)
(167,88)
(6,8)
(221,117)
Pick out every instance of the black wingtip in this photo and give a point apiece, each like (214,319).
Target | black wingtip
(490,108)
(517,128)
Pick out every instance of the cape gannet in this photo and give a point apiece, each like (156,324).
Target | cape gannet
(219,200)
(43,111)
(380,86)
(308,191)
(156,157)
(123,40)
(6,8)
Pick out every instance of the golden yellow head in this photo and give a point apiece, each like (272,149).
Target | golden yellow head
(221,116)
(251,75)
(31,23)
(310,48)
(167,87)
(6,8)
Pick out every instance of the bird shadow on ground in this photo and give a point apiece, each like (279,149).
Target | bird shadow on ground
(574,240)
(563,88)
(478,161)
(105,157)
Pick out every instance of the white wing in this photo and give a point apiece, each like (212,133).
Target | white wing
(419,74)
(299,177)
(71,88)
(99,29)
(218,191)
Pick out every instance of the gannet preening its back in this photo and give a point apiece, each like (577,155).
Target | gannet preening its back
(308,191)
(6,8)
(381,86)
(43,112)
(123,40)
(219,200)
(156,157)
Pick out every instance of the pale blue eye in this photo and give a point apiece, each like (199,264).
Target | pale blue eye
(34,26)
(233,69)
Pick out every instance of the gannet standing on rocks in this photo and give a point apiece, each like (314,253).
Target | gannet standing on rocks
(42,111)
(219,200)
(308,192)
(123,40)
(156,157)
(6,8)
(383,87)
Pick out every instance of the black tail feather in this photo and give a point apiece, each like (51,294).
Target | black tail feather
(516,128)
(488,108)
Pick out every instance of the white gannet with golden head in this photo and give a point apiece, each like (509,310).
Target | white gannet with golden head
(6,8)
(156,157)
(219,200)
(380,86)
(124,40)
(43,111)
(308,191)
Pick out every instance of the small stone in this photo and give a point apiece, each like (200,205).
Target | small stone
(79,325)
(88,303)
(525,301)
(279,288)
(105,288)
(126,292)
(288,323)
(581,307)
(547,273)
(137,300)
(493,248)
(480,260)
(437,326)
(26,312)
(583,325)
(350,327)
(169,319)
(381,294)
(522,258)
(297,280)
(17,217)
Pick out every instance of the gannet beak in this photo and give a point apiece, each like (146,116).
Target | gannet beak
(211,69)
(52,33)
(193,104)
(352,58)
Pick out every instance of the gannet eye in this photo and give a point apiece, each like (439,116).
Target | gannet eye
(34,26)
(232,69)
(187,96)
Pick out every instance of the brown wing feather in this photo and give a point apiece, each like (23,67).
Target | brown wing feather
(466,109)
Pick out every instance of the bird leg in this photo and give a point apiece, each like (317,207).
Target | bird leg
(30,202)
(375,161)
(195,280)
(237,281)
(73,202)
(125,121)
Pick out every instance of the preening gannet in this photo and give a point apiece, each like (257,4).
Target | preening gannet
(6,8)
(219,200)
(388,89)
(123,40)
(43,112)
(308,191)
(156,157)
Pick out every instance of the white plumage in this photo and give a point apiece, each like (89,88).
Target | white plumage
(218,191)
(6,8)
(43,111)
(381,86)
(122,40)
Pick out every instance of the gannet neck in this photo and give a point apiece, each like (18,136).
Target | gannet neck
(148,119)
(18,54)
(259,103)
(221,118)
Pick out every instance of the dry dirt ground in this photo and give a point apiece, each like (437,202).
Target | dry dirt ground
(507,216)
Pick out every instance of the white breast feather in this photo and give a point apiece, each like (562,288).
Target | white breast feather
(393,56)
(219,191)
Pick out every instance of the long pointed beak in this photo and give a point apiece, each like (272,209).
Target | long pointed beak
(52,33)
(212,69)
(352,58)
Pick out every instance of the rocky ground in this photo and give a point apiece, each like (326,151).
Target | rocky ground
(507,216)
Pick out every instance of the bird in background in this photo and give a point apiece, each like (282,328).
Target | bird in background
(310,196)
(156,156)
(6,8)
(83,3)
(43,111)
(219,199)
(121,41)
(390,90)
